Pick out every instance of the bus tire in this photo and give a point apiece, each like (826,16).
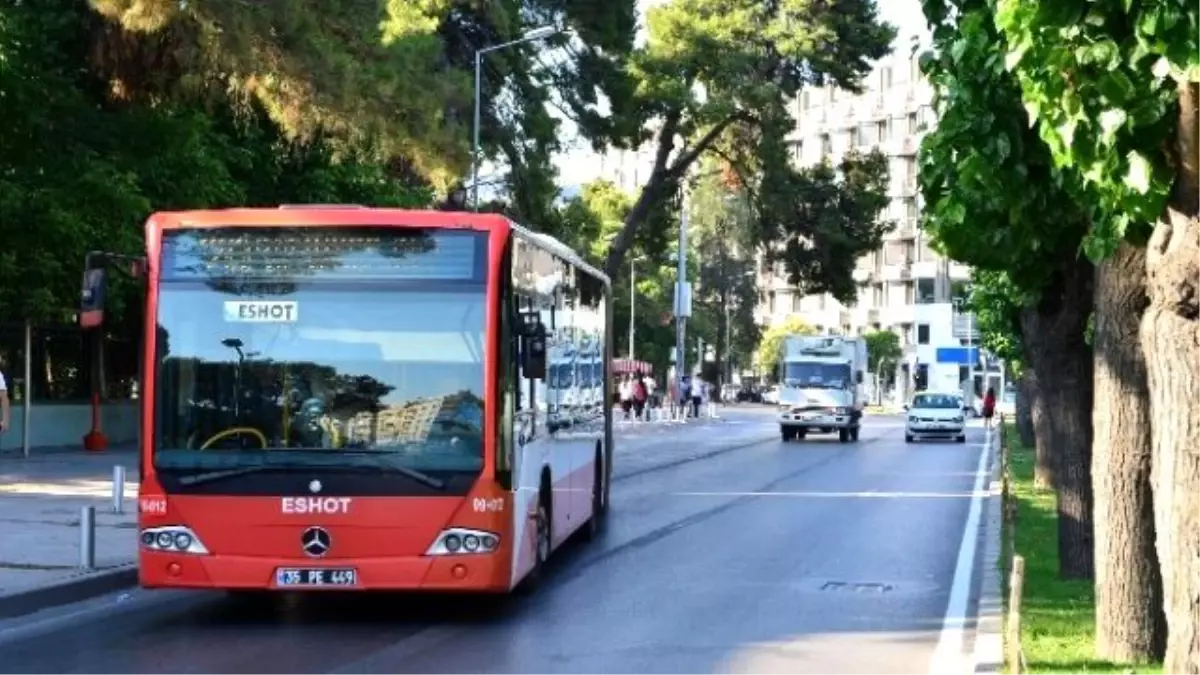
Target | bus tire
(543,537)
(595,524)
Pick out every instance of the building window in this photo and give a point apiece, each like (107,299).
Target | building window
(804,100)
(798,151)
(926,291)
(897,252)
(771,302)
(868,135)
(885,78)
(912,123)
(910,208)
(796,302)
(921,377)
(922,333)
(826,146)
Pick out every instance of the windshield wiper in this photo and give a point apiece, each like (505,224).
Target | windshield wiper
(198,478)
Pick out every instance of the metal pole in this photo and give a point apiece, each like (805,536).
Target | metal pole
(974,356)
(26,395)
(681,276)
(118,489)
(475,139)
(87,537)
(632,302)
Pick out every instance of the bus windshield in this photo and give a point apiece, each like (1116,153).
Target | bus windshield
(310,348)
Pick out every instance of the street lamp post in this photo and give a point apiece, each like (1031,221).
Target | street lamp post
(530,36)
(632,300)
(680,285)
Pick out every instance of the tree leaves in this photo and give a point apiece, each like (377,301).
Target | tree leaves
(720,73)
(820,220)
(78,172)
(994,198)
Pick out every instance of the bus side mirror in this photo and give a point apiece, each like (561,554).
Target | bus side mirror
(91,297)
(533,356)
(858,376)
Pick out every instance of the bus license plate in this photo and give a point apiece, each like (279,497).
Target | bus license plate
(321,576)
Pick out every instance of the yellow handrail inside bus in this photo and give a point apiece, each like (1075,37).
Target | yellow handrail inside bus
(262,438)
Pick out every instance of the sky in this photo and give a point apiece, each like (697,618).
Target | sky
(580,165)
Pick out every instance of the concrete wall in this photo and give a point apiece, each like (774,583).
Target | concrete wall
(62,425)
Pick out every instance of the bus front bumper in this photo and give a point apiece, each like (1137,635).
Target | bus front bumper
(478,572)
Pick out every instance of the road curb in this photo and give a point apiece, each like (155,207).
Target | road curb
(83,586)
(988,655)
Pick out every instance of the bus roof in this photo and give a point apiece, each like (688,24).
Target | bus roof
(326,214)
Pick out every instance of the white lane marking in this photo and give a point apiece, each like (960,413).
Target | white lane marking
(948,656)
(840,495)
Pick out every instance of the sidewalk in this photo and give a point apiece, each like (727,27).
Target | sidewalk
(41,498)
(40,502)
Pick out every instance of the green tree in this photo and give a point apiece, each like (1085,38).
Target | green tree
(1113,88)
(1128,586)
(88,168)
(770,350)
(995,200)
(716,76)
(722,244)
(883,352)
(588,223)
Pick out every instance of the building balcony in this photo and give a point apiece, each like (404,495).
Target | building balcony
(926,269)
(959,271)
(873,316)
(899,314)
(901,272)
(863,275)
(906,228)
(905,146)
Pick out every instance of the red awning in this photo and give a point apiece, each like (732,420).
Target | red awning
(624,366)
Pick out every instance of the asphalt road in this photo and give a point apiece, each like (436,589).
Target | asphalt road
(809,556)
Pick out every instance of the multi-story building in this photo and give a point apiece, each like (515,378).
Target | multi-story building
(906,287)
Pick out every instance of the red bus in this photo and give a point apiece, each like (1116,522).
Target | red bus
(359,398)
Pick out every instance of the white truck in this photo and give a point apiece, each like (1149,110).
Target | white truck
(821,386)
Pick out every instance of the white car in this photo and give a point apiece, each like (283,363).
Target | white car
(771,395)
(934,414)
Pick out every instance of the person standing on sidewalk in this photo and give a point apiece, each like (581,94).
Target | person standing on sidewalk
(639,397)
(697,396)
(4,404)
(685,395)
(625,392)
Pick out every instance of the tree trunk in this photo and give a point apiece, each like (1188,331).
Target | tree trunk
(1053,333)
(1171,345)
(1024,409)
(1130,625)
(1039,418)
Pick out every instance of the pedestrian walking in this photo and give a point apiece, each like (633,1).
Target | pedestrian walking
(639,394)
(989,407)
(685,395)
(696,397)
(4,410)
(625,392)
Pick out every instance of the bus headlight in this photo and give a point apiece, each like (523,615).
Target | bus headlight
(172,539)
(463,541)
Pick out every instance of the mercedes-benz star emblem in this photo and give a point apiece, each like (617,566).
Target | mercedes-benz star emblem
(316,542)
(314,487)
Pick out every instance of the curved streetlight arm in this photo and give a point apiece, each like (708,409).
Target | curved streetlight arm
(530,36)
